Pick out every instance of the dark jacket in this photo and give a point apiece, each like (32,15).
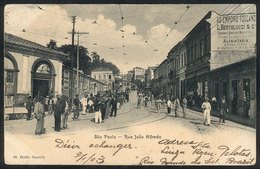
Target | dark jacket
(97,104)
(59,107)
(29,104)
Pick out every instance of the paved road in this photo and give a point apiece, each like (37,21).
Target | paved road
(129,116)
(130,122)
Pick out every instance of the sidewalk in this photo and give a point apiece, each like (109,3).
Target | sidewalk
(231,117)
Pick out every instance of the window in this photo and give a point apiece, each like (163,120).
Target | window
(207,44)
(109,76)
(104,76)
(43,68)
(202,50)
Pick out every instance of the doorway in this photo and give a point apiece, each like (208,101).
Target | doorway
(234,97)
(41,88)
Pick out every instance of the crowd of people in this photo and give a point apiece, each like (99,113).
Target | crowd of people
(180,105)
(103,104)
(106,104)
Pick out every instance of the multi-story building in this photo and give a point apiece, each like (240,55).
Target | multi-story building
(149,75)
(104,75)
(130,75)
(139,73)
(216,58)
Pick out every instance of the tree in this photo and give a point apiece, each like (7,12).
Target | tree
(84,59)
(96,63)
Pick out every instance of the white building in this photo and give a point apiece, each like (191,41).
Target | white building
(104,75)
(30,69)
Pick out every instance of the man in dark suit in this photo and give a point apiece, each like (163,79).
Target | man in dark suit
(114,106)
(59,109)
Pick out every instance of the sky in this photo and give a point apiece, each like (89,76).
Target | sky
(142,38)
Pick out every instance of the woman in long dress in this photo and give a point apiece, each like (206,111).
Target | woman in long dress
(39,115)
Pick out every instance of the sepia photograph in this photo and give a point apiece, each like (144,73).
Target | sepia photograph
(130,84)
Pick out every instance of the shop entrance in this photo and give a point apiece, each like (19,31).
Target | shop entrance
(234,97)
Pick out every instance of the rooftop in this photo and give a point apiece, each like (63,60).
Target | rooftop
(100,69)
(15,40)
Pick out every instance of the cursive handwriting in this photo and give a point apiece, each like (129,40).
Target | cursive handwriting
(118,147)
(175,154)
(66,144)
(146,160)
(164,161)
(232,160)
(176,142)
(83,157)
(236,152)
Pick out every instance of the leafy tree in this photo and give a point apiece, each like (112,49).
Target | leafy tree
(84,59)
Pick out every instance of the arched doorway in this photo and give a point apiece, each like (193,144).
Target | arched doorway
(43,78)
(10,79)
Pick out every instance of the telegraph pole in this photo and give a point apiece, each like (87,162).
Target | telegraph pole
(78,33)
(72,55)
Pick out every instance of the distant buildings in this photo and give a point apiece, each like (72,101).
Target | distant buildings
(138,74)
(149,75)
(104,75)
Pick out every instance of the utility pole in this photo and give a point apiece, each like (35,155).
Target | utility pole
(72,55)
(78,33)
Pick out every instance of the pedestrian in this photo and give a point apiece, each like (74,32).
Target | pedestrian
(222,109)
(97,109)
(176,106)
(58,111)
(139,102)
(76,104)
(184,106)
(66,113)
(169,105)
(91,104)
(159,104)
(29,106)
(108,106)
(46,103)
(206,112)
(39,115)
(103,106)
(114,106)
(84,102)
(51,105)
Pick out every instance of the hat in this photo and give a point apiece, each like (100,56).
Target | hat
(207,99)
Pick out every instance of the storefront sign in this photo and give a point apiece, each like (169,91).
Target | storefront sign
(233,38)
(233,32)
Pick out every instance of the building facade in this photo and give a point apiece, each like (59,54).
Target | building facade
(104,75)
(215,59)
(30,69)
(139,74)
(149,75)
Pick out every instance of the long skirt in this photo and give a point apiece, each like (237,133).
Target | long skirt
(40,125)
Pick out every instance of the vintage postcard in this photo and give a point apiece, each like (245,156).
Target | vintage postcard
(130,84)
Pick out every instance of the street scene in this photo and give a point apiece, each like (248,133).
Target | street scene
(125,84)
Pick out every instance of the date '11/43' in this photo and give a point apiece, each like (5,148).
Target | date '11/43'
(91,158)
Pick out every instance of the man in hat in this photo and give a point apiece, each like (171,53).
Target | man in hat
(76,104)
(29,107)
(222,109)
(206,112)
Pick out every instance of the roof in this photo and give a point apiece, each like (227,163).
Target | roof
(138,68)
(15,40)
(100,69)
